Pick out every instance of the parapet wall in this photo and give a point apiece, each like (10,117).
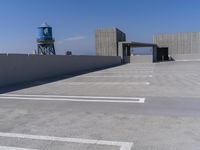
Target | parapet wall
(16,68)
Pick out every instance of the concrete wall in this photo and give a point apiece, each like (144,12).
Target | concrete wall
(107,41)
(179,44)
(22,68)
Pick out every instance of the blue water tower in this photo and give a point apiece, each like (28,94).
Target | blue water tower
(45,40)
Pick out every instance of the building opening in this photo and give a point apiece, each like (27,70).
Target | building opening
(162,54)
(133,52)
(141,51)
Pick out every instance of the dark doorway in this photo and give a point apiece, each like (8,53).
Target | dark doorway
(162,54)
(126,51)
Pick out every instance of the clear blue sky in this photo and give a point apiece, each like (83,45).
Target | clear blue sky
(74,21)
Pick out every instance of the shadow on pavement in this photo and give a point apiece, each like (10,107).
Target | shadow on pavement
(20,86)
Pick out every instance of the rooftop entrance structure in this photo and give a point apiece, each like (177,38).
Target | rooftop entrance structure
(112,42)
(125,52)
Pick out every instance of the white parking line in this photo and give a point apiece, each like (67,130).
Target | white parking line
(125,72)
(64,96)
(122,145)
(14,148)
(108,83)
(119,76)
(73,98)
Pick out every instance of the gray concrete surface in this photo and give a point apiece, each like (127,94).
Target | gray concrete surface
(167,120)
(139,59)
(23,68)
(187,57)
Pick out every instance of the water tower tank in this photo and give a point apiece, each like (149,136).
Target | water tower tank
(45,40)
(45,32)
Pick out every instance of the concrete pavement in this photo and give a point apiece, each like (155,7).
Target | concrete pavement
(48,116)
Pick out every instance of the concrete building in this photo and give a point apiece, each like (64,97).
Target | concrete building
(107,41)
(112,42)
(180,45)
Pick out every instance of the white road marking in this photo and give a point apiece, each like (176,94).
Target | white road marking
(73,98)
(108,83)
(148,83)
(142,72)
(122,145)
(115,76)
(14,148)
(63,96)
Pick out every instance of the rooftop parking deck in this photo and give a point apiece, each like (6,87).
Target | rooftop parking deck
(130,107)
